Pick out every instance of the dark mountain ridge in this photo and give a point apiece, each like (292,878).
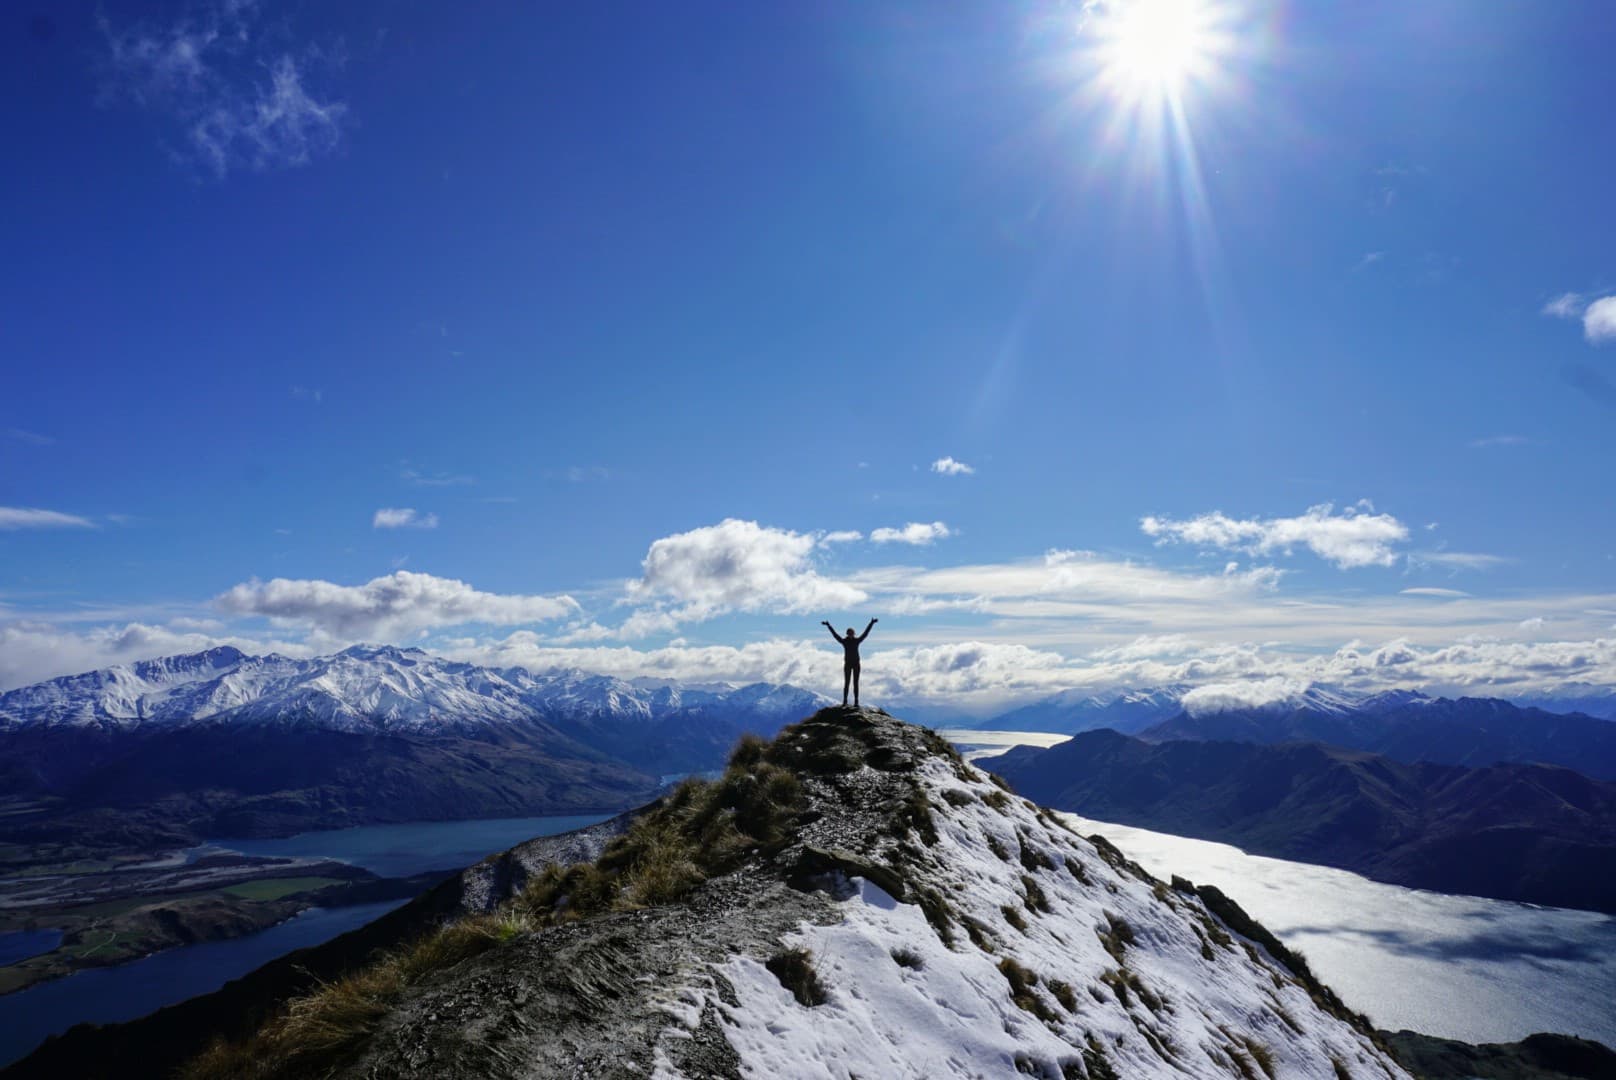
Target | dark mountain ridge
(1474,732)
(1534,833)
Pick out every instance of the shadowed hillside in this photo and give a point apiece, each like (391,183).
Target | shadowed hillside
(1514,832)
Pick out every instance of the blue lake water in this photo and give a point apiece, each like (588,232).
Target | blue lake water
(21,944)
(402,850)
(107,995)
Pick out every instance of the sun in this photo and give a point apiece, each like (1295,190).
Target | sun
(1155,49)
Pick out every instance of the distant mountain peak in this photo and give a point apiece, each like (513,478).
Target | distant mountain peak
(363,687)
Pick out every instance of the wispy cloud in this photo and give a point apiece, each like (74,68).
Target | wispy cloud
(309,393)
(947,466)
(841,536)
(32,438)
(1565,306)
(1498,440)
(1355,537)
(436,479)
(1458,560)
(918,533)
(1431,590)
(13,518)
(235,101)
(1370,258)
(580,474)
(403,517)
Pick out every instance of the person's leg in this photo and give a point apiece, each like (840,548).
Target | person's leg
(855,685)
(847,677)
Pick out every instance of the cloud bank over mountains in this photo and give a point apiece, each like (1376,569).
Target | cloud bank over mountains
(966,632)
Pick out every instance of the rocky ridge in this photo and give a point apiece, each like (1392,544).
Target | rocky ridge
(852,898)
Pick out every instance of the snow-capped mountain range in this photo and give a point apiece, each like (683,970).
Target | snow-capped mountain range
(364,688)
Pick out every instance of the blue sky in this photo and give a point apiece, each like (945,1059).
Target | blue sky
(576,288)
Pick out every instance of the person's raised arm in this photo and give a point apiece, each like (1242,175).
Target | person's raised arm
(831,628)
(867,629)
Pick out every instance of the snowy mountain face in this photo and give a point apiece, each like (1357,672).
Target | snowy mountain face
(363,688)
(1070,961)
(1072,711)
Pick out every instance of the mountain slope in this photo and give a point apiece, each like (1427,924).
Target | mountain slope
(221,743)
(1464,731)
(1514,832)
(850,899)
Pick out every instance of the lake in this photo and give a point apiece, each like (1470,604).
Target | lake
(402,850)
(127,991)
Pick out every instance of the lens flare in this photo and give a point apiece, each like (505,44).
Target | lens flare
(1154,50)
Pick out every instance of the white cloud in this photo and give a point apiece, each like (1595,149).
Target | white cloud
(1599,321)
(13,518)
(918,533)
(402,517)
(1355,537)
(235,102)
(947,466)
(1428,590)
(1532,625)
(736,566)
(1248,694)
(386,608)
(965,672)
(33,651)
(1565,306)
(843,536)
(1498,440)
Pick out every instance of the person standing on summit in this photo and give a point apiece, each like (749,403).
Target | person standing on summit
(850,657)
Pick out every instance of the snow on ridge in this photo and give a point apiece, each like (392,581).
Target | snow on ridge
(362,687)
(1180,999)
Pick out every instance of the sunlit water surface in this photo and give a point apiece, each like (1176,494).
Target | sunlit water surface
(1457,966)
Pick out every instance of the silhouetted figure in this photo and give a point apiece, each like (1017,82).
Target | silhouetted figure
(850,657)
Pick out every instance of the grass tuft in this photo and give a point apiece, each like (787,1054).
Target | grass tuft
(908,958)
(795,970)
(1022,980)
(1033,896)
